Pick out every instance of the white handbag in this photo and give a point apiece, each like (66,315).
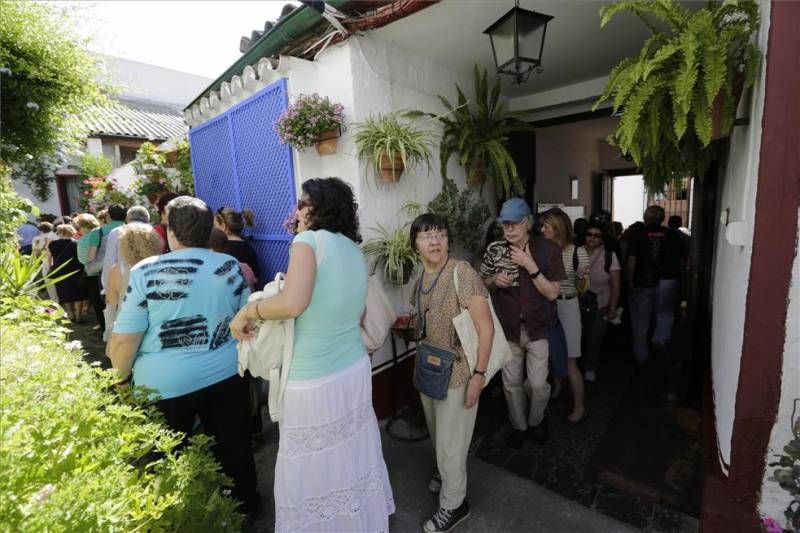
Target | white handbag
(468,335)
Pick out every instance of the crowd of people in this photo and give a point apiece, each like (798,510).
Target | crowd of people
(173,300)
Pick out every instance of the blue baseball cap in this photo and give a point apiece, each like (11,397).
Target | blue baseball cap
(514,210)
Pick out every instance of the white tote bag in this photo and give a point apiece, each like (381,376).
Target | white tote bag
(468,335)
(378,317)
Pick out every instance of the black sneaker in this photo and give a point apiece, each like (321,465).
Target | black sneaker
(539,433)
(516,439)
(446,519)
(435,484)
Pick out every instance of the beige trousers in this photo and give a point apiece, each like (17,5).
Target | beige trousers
(450,426)
(535,356)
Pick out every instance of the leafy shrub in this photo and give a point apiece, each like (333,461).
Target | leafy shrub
(465,211)
(13,209)
(80,455)
(302,123)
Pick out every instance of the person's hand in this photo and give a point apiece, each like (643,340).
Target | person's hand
(241,326)
(503,280)
(474,387)
(523,259)
(611,314)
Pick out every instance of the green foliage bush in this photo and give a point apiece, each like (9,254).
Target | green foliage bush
(80,455)
(13,210)
(49,83)
(76,452)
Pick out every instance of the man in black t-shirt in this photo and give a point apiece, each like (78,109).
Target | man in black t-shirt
(654,267)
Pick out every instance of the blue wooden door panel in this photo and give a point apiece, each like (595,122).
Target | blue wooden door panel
(239,162)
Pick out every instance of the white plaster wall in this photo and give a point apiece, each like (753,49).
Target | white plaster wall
(150,82)
(49,206)
(774,499)
(733,252)
(570,149)
(369,75)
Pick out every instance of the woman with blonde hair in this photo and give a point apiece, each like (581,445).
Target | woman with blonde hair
(233,223)
(137,242)
(557,227)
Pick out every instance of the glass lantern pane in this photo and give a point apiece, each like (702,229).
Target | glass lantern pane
(530,36)
(503,41)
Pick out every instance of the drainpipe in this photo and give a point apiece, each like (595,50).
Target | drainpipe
(288,29)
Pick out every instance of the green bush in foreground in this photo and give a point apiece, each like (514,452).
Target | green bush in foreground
(78,455)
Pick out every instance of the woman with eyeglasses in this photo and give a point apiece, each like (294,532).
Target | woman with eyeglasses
(330,474)
(232,223)
(604,282)
(449,388)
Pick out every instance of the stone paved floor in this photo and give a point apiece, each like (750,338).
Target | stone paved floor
(556,473)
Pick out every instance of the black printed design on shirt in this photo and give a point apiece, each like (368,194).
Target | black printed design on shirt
(240,289)
(128,290)
(184,332)
(221,333)
(143,304)
(226,267)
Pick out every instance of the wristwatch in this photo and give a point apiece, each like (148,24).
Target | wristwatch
(480,373)
(536,274)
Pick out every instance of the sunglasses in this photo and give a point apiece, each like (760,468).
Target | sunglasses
(595,235)
(302,203)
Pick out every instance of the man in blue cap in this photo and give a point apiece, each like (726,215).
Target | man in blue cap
(523,273)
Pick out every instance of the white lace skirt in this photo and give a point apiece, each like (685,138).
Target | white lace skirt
(330,474)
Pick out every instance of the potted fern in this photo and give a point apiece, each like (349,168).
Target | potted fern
(479,135)
(392,146)
(693,67)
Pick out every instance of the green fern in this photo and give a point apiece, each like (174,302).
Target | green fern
(665,94)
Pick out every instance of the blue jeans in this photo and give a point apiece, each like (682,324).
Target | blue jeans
(645,302)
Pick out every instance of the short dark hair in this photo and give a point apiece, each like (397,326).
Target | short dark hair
(164,199)
(654,214)
(427,222)
(675,222)
(190,220)
(117,212)
(333,207)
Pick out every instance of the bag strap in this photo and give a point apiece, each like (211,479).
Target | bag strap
(574,258)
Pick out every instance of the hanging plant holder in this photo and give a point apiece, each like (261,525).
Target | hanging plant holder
(718,110)
(328,142)
(391,168)
(477,172)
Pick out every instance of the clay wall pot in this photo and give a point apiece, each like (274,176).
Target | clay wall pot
(389,173)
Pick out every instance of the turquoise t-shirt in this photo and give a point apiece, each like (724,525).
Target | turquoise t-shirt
(327,336)
(183,301)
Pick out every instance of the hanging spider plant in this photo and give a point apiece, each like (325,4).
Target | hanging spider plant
(392,146)
(393,249)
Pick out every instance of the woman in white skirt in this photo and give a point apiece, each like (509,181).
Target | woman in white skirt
(330,474)
(557,227)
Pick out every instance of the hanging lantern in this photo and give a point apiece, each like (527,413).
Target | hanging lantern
(517,40)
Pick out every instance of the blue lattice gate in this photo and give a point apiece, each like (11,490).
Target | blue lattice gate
(238,161)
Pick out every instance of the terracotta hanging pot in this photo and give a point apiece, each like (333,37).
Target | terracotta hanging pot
(327,142)
(717,109)
(391,170)
(477,172)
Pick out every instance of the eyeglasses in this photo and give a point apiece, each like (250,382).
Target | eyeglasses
(594,235)
(302,203)
(431,235)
